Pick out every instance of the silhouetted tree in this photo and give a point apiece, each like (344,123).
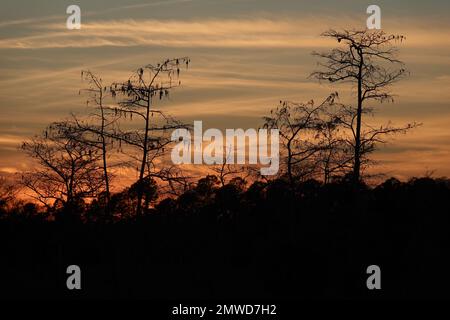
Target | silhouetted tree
(68,170)
(299,125)
(228,170)
(123,205)
(367,60)
(172,179)
(99,133)
(138,96)
(148,188)
(334,156)
(8,191)
(206,186)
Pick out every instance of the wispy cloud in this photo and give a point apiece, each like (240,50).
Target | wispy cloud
(17,22)
(234,33)
(151,4)
(60,17)
(212,33)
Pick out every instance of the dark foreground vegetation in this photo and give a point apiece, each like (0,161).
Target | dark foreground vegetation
(270,240)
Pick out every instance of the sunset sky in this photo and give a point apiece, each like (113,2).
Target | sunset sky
(246,56)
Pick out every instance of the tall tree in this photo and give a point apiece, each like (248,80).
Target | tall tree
(98,134)
(138,96)
(367,60)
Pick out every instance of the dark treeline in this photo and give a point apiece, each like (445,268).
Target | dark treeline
(270,240)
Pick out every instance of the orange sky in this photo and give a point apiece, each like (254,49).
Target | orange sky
(244,60)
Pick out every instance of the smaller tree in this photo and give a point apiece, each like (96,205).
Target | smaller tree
(8,193)
(207,186)
(8,190)
(299,125)
(149,190)
(68,170)
(174,180)
(334,157)
(228,170)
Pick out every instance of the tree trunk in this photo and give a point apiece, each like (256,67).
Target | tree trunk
(357,160)
(105,166)
(144,158)
(289,163)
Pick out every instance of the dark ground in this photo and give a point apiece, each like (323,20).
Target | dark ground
(271,241)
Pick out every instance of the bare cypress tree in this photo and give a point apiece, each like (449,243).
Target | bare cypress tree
(138,96)
(334,155)
(299,125)
(68,168)
(229,170)
(367,60)
(97,134)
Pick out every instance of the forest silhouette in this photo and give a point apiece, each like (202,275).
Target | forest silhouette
(309,232)
(271,240)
